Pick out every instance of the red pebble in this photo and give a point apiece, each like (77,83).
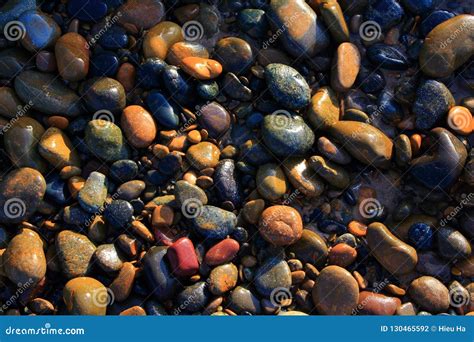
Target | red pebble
(342,255)
(183,258)
(222,252)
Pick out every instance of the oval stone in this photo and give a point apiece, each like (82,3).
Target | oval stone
(281,225)
(429,294)
(310,248)
(271,182)
(371,303)
(336,292)
(272,274)
(160,38)
(222,252)
(24,259)
(203,155)
(346,66)
(138,126)
(235,54)
(215,119)
(75,253)
(222,279)
(213,222)
(41,31)
(72,56)
(85,296)
(105,140)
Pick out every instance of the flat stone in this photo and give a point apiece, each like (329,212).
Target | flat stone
(429,294)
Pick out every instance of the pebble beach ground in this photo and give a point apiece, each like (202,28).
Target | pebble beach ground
(282,157)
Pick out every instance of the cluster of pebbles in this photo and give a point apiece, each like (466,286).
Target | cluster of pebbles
(282,157)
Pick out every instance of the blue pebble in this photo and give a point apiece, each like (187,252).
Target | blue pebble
(422,236)
(41,30)
(149,73)
(254,120)
(357,99)
(104,64)
(434,19)
(118,214)
(386,13)
(178,86)
(240,234)
(12,9)
(114,38)
(208,90)
(421,6)
(390,110)
(240,134)
(370,81)
(124,170)
(87,10)
(57,189)
(170,164)
(162,110)
(157,178)
(388,57)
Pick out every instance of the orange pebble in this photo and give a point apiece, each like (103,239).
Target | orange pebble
(460,120)
(357,228)
(415,141)
(194,137)
(126,76)
(201,68)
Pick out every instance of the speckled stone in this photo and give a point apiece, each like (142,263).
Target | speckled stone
(105,140)
(281,225)
(92,196)
(222,279)
(213,222)
(429,294)
(271,275)
(108,258)
(243,300)
(75,253)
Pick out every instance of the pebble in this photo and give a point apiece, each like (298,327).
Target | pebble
(252,210)
(332,151)
(213,222)
(227,183)
(371,303)
(105,140)
(336,292)
(21,193)
(92,10)
(310,248)
(346,66)
(243,300)
(143,14)
(162,110)
(104,94)
(9,102)
(342,255)
(85,296)
(287,86)
(393,254)
(223,279)
(181,50)
(432,103)
(215,119)
(41,31)
(72,57)
(271,182)
(50,95)
(429,294)
(158,273)
(334,19)
(272,274)
(108,258)
(281,225)
(21,143)
(421,235)
(287,135)
(324,109)
(24,261)
(186,192)
(334,174)
(452,244)
(131,190)
(302,177)
(203,155)
(364,142)
(122,285)
(118,214)
(222,252)
(201,68)
(94,192)
(442,54)
(159,39)
(199,294)
(57,149)
(75,253)
(386,13)
(235,54)
(182,257)
(388,57)
(138,126)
